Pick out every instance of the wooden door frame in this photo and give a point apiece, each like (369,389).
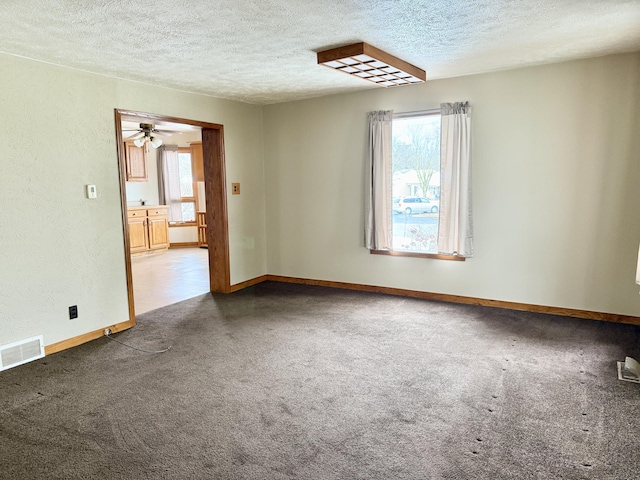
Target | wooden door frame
(216,199)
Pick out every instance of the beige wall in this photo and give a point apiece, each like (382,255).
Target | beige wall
(556,172)
(555,177)
(56,247)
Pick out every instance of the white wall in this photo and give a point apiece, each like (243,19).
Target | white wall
(183,234)
(556,172)
(59,249)
(146,191)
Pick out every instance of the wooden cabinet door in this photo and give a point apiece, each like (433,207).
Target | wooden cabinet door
(138,238)
(158,232)
(136,162)
(197,164)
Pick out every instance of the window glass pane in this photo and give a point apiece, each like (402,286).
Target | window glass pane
(186,178)
(188,211)
(416,183)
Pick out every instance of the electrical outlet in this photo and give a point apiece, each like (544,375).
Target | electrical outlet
(73,312)
(235,189)
(107,332)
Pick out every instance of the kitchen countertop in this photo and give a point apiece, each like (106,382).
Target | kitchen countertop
(144,207)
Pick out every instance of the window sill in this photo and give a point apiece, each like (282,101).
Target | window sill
(396,253)
(185,224)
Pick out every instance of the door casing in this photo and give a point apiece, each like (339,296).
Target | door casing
(216,199)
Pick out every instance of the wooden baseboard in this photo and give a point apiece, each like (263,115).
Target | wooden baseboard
(441,297)
(248,283)
(184,245)
(86,337)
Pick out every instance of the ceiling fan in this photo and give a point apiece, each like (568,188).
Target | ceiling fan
(146,133)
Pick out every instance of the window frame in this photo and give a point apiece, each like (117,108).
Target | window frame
(191,199)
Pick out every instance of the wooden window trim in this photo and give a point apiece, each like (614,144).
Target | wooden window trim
(195,205)
(183,224)
(435,256)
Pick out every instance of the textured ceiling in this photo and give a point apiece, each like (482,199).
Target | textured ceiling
(264,51)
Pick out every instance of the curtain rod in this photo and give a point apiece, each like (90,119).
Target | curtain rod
(416,113)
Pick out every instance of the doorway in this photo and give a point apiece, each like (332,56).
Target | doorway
(214,190)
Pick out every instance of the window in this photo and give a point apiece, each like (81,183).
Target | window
(416,182)
(187,195)
(407,211)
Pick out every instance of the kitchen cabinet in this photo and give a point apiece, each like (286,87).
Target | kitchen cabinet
(197,163)
(148,229)
(136,162)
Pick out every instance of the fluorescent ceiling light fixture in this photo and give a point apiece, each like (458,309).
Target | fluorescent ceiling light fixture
(370,63)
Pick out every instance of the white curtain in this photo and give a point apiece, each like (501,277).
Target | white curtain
(378,232)
(169,181)
(455,232)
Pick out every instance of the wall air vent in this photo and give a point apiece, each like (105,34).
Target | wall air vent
(22,351)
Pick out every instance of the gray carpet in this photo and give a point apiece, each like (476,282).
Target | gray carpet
(285,381)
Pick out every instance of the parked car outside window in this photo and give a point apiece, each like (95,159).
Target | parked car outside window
(411,205)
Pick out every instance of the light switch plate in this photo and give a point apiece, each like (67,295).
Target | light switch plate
(235,189)
(91,191)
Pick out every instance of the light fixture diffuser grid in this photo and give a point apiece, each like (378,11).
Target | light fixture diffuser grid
(369,63)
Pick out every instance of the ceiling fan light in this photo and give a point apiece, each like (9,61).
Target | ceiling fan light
(138,142)
(155,142)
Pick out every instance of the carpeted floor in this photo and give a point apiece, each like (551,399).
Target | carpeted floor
(284,381)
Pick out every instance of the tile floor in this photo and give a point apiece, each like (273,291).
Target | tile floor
(166,278)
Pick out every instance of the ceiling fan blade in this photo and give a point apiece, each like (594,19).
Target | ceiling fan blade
(135,135)
(167,133)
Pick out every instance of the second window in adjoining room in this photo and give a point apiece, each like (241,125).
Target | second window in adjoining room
(187,195)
